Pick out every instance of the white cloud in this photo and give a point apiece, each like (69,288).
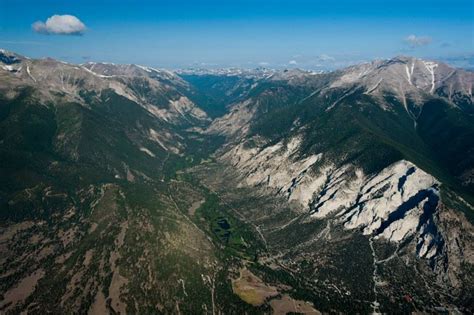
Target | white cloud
(263,63)
(292,62)
(60,25)
(325,57)
(417,41)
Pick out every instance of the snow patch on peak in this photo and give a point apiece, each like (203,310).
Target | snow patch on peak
(147,69)
(430,66)
(410,72)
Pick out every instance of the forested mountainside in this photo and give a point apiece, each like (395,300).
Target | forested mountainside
(129,189)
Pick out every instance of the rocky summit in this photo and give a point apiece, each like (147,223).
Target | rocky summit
(130,189)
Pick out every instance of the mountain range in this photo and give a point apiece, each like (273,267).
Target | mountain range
(130,189)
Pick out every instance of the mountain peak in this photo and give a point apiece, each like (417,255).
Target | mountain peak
(110,170)
(408,77)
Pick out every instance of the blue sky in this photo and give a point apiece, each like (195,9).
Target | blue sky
(244,33)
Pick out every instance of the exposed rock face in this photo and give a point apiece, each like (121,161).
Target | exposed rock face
(236,122)
(458,235)
(338,188)
(392,204)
